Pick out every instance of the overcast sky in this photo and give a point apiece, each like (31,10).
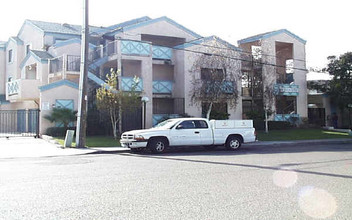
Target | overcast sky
(326,25)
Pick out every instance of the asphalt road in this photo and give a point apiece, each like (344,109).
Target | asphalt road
(296,182)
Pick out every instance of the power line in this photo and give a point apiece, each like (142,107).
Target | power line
(213,54)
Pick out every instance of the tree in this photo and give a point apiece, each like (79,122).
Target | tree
(62,115)
(115,101)
(214,75)
(340,87)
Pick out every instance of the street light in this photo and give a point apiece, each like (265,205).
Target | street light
(144,99)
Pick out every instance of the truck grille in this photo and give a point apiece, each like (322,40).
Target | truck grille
(127,136)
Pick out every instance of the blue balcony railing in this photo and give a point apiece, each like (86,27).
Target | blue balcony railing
(13,87)
(293,118)
(286,89)
(163,53)
(129,47)
(163,87)
(127,84)
(225,86)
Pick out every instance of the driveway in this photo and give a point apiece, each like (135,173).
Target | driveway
(22,147)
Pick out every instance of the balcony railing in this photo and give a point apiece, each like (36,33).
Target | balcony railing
(162,53)
(13,87)
(293,118)
(225,86)
(162,87)
(22,89)
(129,47)
(286,89)
(73,63)
(127,83)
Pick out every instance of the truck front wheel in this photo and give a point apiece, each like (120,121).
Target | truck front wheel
(233,143)
(157,145)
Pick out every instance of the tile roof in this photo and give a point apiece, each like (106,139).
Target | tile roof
(143,21)
(52,27)
(42,54)
(203,40)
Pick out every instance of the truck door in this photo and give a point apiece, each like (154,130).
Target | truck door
(185,134)
(206,133)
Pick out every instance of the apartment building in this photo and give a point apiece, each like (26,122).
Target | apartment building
(39,68)
(276,76)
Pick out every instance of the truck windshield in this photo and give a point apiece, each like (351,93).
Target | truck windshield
(166,124)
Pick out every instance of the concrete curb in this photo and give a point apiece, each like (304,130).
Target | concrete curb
(115,150)
(295,142)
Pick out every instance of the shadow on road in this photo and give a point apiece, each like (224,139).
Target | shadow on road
(174,153)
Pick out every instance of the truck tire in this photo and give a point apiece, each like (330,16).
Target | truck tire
(233,143)
(157,145)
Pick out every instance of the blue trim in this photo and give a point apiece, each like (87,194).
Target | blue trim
(148,22)
(31,53)
(3,45)
(63,36)
(58,84)
(127,23)
(71,41)
(97,80)
(270,34)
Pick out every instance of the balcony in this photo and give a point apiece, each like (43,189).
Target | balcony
(127,83)
(66,66)
(292,118)
(162,53)
(129,47)
(286,90)
(22,89)
(162,87)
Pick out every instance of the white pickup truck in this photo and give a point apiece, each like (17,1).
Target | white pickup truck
(190,132)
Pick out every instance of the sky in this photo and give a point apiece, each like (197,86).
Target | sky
(325,25)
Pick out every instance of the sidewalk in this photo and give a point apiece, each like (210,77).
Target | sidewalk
(23,147)
(29,147)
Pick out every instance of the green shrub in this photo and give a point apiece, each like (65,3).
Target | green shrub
(279,125)
(58,131)
(273,125)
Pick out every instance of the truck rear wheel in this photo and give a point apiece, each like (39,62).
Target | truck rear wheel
(233,143)
(157,145)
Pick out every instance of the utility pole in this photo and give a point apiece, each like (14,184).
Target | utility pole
(82,99)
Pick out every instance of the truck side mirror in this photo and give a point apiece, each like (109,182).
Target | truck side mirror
(179,127)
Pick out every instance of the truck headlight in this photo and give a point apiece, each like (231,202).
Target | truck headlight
(139,138)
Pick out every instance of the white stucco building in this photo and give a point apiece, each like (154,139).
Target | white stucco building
(39,68)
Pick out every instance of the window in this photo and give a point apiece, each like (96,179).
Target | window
(186,125)
(28,48)
(201,124)
(257,52)
(10,56)
(213,74)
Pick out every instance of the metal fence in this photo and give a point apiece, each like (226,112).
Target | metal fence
(24,123)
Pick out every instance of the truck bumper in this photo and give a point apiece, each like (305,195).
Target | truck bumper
(133,144)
